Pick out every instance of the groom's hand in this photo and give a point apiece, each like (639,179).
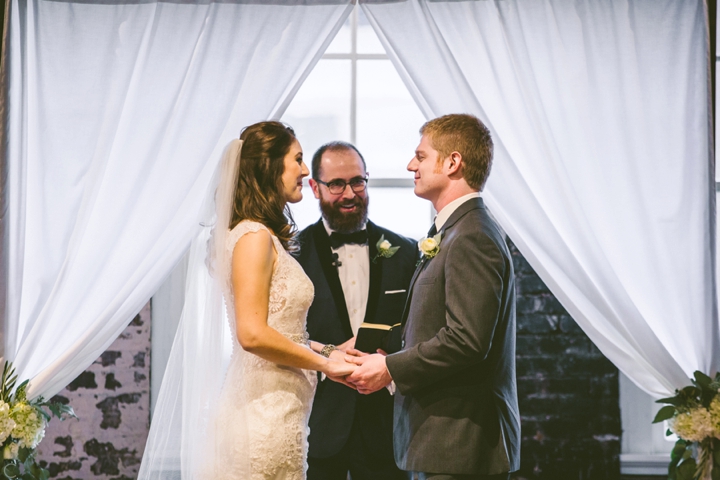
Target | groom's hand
(371,375)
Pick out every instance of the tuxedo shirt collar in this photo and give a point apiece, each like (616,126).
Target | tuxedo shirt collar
(450,208)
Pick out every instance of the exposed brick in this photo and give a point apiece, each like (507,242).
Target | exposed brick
(528,284)
(109,357)
(60,467)
(113,452)
(568,325)
(110,408)
(536,345)
(139,359)
(108,457)
(536,324)
(111,383)
(84,380)
(66,442)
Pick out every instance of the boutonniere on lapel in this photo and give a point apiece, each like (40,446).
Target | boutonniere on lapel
(429,247)
(384,249)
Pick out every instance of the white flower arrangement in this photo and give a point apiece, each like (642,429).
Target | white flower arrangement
(430,246)
(693,414)
(22,427)
(29,426)
(7,424)
(385,249)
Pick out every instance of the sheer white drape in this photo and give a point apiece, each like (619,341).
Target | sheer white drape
(602,173)
(119,112)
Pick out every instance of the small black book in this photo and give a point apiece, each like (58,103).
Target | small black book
(374,336)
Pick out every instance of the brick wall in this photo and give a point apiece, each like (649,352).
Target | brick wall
(112,399)
(568,391)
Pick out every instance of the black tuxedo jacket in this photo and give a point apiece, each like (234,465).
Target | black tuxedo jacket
(335,405)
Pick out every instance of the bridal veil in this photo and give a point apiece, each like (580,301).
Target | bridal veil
(182,441)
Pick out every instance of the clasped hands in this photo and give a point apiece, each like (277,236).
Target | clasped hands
(371,373)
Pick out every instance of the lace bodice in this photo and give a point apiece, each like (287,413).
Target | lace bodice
(291,291)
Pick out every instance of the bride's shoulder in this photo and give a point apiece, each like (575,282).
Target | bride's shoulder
(244,227)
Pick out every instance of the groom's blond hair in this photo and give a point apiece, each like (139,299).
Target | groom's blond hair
(467,135)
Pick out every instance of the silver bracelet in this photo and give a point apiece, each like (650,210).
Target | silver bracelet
(327,350)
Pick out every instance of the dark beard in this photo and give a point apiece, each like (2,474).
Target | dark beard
(345,222)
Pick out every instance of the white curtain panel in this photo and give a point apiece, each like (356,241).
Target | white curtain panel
(602,174)
(119,111)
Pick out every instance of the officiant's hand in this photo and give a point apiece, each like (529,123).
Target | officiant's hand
(371,374)
(348,345)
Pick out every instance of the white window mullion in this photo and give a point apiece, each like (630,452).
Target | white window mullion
(353,77)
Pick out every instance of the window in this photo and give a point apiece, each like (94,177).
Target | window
(354,94)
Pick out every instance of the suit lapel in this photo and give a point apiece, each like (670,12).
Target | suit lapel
(376,269)
(464,208)
(418,269)
(324,252)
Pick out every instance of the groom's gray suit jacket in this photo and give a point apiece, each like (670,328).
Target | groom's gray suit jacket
(456,407)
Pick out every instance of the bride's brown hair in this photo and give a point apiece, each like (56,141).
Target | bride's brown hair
(259,193)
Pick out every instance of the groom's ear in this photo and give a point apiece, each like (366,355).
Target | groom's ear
(454,164)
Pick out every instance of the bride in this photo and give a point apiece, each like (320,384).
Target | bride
(253,424)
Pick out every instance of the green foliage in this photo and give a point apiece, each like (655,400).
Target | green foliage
(700,393)
(24,467)
(665,413)
(24,470)
(60,411)
(8,382)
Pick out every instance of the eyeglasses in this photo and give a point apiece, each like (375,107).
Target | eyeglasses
(337,187)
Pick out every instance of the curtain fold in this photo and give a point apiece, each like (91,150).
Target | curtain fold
(118,114)
(599,112)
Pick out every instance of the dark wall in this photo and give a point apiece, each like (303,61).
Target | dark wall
(568,391)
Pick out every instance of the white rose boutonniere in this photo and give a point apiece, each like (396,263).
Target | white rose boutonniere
(384,249)
(429,247)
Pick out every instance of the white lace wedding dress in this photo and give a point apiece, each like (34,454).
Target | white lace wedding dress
(264,408)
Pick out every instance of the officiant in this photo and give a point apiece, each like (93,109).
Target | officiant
(361,274)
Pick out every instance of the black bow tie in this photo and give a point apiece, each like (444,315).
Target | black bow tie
(337,240)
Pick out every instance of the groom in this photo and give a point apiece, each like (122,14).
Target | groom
(456,413)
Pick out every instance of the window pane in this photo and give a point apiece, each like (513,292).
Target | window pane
(399,210)
(341,42)
(320,112)
(367,40)
(387,120)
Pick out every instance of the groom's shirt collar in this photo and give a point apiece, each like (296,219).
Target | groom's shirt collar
(448,210)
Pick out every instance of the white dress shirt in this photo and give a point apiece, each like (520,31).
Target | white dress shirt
(354,273)
(448,210)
